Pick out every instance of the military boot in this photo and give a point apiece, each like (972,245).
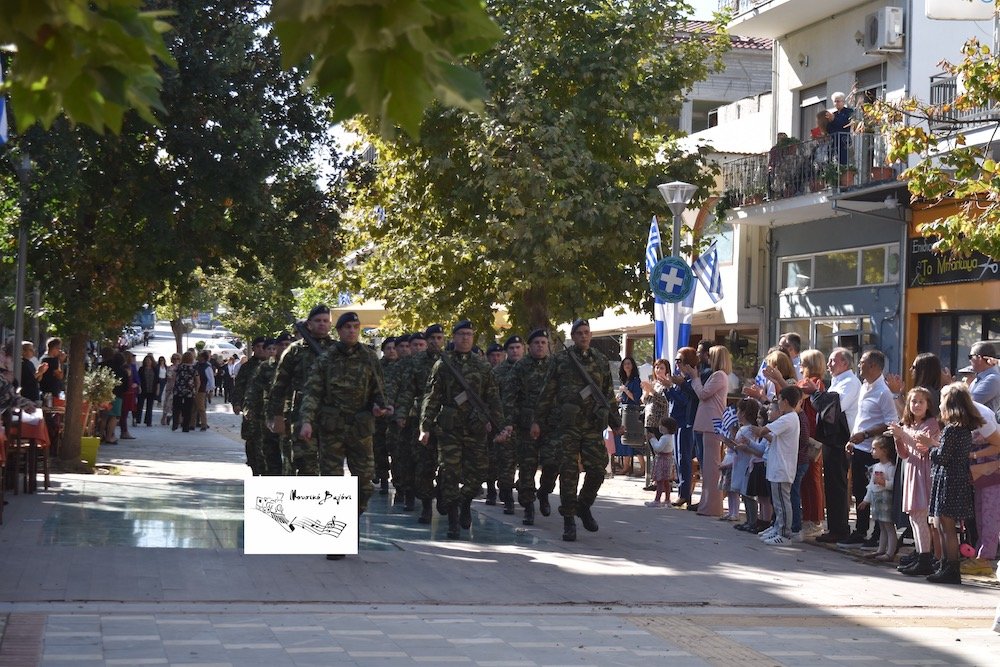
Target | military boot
(543,504)
(465,518)
(587,518)
(491,493)
(411,501)
(454,532)
(425,511)
(508,505)
(529,515)
(569,529)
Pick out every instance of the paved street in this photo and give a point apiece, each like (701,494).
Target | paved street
(144,566)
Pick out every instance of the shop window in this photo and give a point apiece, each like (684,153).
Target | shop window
(951,335)
(801,327)
(796,274)
(873,266)
(836,269)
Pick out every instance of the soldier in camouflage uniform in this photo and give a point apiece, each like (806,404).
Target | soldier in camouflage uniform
(461,428)
(248,428)
(580,420)
(265,443)
(380,441)
(424,457)
(284,440)
(343,397)
(494,355)
(285,399)
(394,433)
(506,453)
(407,389)
(523,384)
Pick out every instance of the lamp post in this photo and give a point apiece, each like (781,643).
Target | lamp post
(677,194)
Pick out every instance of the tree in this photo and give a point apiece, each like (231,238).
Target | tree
(947,168)
(542,203)
(92,60)
(226,178)
(258,307)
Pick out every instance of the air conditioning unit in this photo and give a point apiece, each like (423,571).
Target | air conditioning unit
(884,31)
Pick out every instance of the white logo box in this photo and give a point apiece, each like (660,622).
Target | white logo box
(300,515)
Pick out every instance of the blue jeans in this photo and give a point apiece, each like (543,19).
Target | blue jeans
(796,496)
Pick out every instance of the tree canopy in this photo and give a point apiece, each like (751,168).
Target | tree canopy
(947,168)
(92,60)
(541,203)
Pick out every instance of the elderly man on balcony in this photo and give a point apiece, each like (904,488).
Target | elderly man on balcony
(839,127)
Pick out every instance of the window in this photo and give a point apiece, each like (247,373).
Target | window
(812,100)
(874,265)
(951,335)
(801,327)
(824,334)
(723,242)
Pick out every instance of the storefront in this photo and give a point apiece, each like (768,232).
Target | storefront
(951,303)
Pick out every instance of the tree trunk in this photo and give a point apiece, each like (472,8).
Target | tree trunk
(177,326)
(69,448)
(536,303)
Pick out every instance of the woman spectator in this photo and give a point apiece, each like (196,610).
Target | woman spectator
(777,371)
(810,478)
(115,362)
(712,402)
(186,384)
(168,390)
(654,398)
(149,383)
(683,407)
(629,393)
(161,383)
(131,398)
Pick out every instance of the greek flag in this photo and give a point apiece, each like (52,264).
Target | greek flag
(3,114)
(759,379)
(706,267)
(724,426)
(652,247)
(660,308)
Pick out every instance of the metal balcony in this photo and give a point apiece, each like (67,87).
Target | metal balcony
(773,18)
(835,164)
(944,91)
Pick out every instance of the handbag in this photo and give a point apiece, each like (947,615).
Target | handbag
(815,449)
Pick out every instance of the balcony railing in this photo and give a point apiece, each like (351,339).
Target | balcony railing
(839,162)
(737,7)
(944,90)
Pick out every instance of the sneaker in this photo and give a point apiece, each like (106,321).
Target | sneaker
(733,518)
(776,540)
(654,503)
(852,541)
(871,544)
(977,567)
(796,537)
(768,534)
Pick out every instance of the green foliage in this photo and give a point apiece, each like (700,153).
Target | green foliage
(91,60)
(542,203)
(389,60)
(258,307)
(947,169)
(98,386)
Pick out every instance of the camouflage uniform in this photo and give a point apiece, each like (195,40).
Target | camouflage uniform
(504,453)
(579,422)
(460,428)
(399,461)
(520,399)
(339,396)
(423,460)
(285,399)
(380,441)
(255,400)
(249,428)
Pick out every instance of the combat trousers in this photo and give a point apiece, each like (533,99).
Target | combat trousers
(271,452)
(347,440)
(251,432)
(305,453)
(581,444)
(530,455)
(425,466)
(380,445)
(506,462)
(403,444)
(492,470)
(463,463)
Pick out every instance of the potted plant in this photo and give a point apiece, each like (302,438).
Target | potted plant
(847,175)
(883,173)
(830,173)
(98,393)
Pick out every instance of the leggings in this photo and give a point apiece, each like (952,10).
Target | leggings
(921,531)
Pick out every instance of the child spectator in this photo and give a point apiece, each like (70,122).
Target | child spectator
(747,412)
(782,453)
(664,468)
(918,432)
(951,484)
(878,496)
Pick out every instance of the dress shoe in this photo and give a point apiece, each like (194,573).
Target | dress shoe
(681,503)
(692,507)
(948,574)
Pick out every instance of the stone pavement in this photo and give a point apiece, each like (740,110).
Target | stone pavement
(144,566)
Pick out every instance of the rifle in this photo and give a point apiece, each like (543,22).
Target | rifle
(595,391)
(477,402)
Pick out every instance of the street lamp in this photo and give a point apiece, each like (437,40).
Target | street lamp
(677,195)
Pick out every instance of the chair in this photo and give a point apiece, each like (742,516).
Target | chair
(28,442)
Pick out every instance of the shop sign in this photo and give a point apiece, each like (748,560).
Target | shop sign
(926,267)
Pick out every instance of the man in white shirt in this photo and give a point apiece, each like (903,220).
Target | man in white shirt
(876,410)
(844,381)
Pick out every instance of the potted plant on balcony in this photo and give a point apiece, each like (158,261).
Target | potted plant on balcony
(848,172)
(830,173)
(883,173)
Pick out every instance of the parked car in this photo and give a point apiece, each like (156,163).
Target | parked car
(222,349)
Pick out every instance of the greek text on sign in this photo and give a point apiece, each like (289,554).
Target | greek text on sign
(671,279)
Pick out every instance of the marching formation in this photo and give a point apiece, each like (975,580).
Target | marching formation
(437,420)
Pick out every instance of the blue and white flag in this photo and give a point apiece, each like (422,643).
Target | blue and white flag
(724,426)
(706,267)
(759,379)
(660,307)
(3,114)
(652,247)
